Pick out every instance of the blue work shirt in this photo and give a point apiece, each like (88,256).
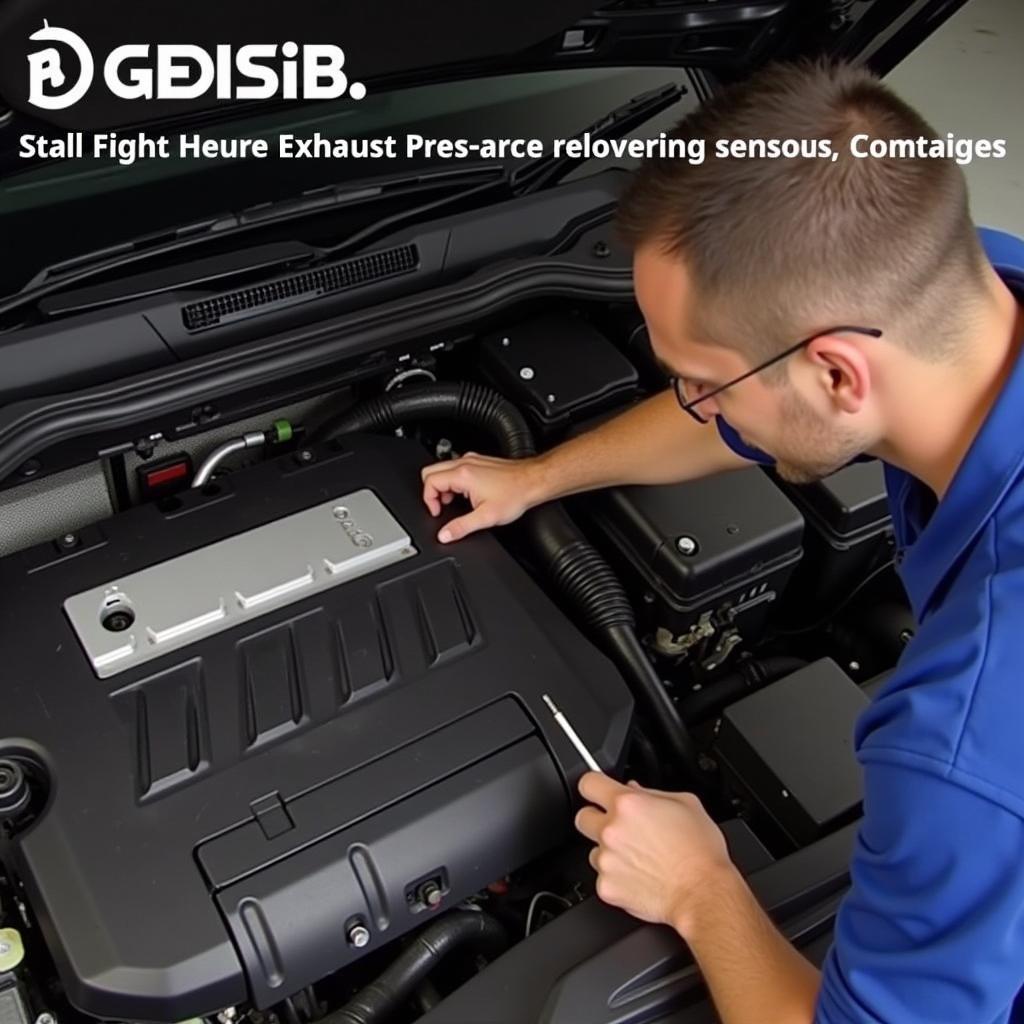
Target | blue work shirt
(932,929)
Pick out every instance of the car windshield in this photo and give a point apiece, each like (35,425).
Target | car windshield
(60,208)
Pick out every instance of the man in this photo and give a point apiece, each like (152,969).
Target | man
(819,311)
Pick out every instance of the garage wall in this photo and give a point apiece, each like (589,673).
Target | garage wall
(968,79)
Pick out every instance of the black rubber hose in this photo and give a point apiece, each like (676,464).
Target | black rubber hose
(381,998)
(578,569)
(751,675)
(472,404)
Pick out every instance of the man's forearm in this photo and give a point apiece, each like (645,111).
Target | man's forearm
(753,973)
(653,443)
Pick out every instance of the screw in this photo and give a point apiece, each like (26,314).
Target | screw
(341,513)
(551,399)
(305,455)
(686,546)
(526,373)
(358,936)
(30,468)
(505,342)
(854,666)
(69,540)
(601,250)
(46,1018)
(431,894)
(119,620)
(906,635)
(732,528)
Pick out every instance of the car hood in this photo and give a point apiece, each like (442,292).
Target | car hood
(397,43)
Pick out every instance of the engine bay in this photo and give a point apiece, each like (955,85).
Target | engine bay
(269,749)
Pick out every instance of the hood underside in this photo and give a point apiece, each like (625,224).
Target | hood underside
(408,42)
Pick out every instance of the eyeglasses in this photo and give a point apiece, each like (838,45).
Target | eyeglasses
(679,383)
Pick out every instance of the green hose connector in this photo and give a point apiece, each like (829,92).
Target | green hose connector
(281,431)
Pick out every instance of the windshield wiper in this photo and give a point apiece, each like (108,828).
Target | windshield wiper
(479,183)
(74,271)
(548,170)
(534,175)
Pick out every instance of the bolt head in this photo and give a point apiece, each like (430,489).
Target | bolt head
(686,546)
(358,936)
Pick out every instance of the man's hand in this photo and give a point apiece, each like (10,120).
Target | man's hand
(657,853)
(660,857)
(500,491)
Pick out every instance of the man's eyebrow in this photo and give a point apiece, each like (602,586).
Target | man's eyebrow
(673,373)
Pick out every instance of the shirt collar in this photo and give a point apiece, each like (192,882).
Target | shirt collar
(988,471)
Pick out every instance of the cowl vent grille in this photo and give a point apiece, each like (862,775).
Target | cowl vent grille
(298,288)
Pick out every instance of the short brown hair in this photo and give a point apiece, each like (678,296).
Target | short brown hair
(778,248)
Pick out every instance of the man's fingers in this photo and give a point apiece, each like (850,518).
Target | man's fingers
(589,822)
(600,789)
(479,519)
(441,487)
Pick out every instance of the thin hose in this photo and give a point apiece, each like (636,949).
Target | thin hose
(381,998)
(577,568)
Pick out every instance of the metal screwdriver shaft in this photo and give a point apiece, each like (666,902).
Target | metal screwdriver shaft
(570,732)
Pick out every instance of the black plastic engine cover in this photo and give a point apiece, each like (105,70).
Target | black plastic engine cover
(220,817)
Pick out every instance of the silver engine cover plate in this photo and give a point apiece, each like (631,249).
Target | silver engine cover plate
(214,588)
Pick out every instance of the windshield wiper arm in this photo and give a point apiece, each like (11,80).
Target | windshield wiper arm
(60,276)
(477,182)
(533,175)
(548,170)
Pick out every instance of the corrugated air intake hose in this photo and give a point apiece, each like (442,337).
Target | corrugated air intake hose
(579,571)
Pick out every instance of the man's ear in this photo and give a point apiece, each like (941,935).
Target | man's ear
(844,371)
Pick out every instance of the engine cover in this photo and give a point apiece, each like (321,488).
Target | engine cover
(307,723)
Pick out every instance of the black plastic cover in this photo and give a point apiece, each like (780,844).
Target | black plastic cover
(743,530)
(218,818)
(791,746)
(558,368)
(849,536)
(846,505)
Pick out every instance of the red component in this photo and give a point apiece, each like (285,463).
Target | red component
(166,474)
(164,478)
